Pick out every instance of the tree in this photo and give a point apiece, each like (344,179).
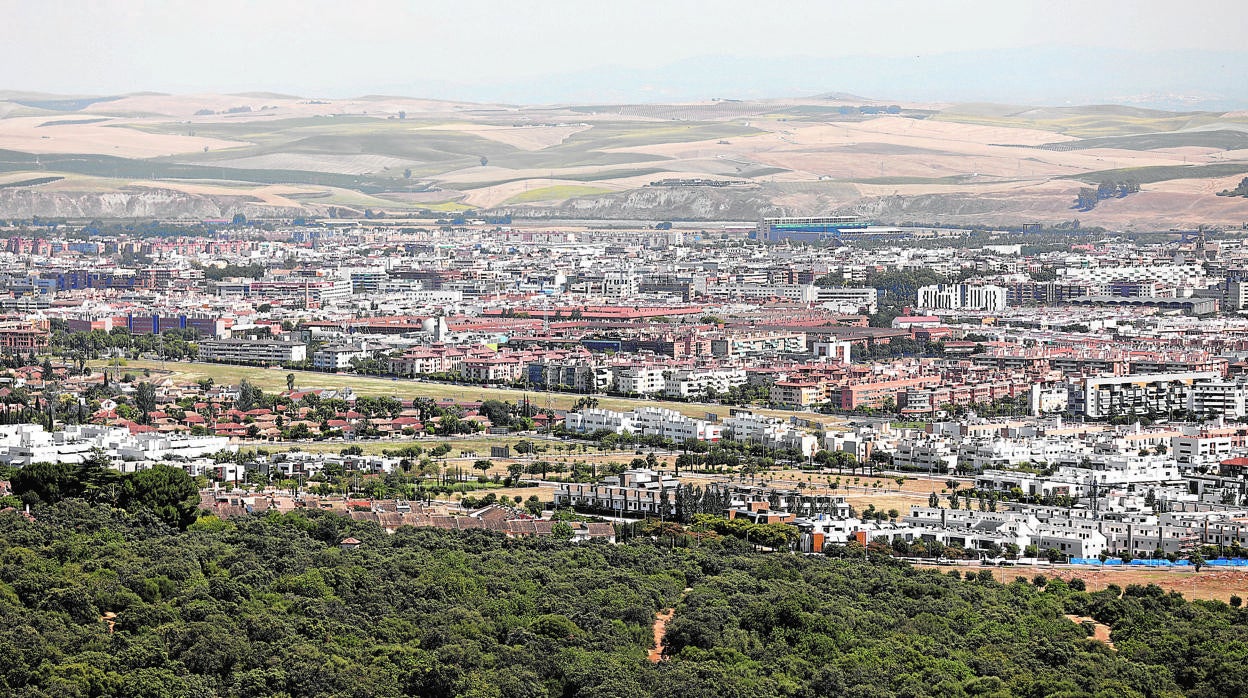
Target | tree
(483,465)
(933,501)
(249,396)
(1197,560)
(497,411)
(168,492)
(145,401)
(46,482)
(562,530)
(290,382)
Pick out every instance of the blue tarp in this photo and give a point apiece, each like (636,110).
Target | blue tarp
(1113,561)
(1228,562)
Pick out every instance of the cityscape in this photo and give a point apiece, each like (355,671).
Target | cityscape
(793,394)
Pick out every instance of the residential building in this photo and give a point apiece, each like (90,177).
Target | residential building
(252,351)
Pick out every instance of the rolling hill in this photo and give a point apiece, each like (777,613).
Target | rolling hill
(263,154)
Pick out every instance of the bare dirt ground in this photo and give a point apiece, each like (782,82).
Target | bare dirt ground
(30,135)
(1209,583)
(661,619)
(660,630)
(273,195)
(1100,631)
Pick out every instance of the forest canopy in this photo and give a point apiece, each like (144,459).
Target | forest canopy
(271,606)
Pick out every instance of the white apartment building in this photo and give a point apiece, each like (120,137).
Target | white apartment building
(686,383)
(23,444)
(865,300)
(838,352)
(639,380)
(1202,450)
(962,297)
(991,453)
(1136,394)
(1220,398)
(670,424)
(338,357)
(611,284)
(252,351)
(1049,398)
(771,431)
(932,455)
(587,421)
(801,293)
(647,421)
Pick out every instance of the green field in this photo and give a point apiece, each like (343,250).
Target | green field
(1160,173)
(274,380)
(556,192)
(1223,139)
(1083,122)
(594,176)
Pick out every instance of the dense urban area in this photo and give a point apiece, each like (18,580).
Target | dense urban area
(797,456)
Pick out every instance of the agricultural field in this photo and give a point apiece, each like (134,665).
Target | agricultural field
(556,192)
(977,163)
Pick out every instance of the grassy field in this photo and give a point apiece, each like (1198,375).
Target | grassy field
(1083,122)
(1147,175)
(556,192)
(274,380)
(1221,139)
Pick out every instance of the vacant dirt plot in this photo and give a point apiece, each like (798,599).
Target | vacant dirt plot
(1209,583)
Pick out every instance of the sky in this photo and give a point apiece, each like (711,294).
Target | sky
(513,49)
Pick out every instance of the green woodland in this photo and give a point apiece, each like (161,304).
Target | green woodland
(271,606)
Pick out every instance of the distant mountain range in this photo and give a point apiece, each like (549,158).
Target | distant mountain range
(1163,79)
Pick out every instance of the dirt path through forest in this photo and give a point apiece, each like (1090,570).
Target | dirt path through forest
(1100,631)
(661,620)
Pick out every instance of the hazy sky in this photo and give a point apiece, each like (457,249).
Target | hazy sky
(354,47)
